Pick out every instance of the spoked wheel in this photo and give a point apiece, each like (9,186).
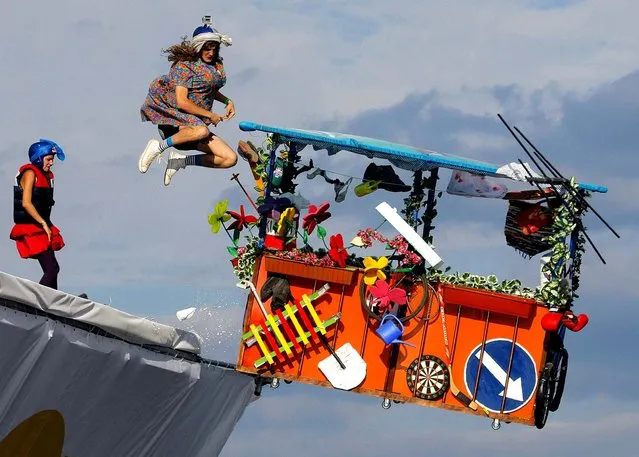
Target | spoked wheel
(428,377)
(560,371)
(416,288)
(545,393)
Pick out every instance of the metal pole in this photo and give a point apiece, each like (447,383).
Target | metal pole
(576,194)
(431,202)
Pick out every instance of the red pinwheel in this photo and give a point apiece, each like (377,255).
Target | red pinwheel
(385,295)
(241,220)
(337,252)
(315,216)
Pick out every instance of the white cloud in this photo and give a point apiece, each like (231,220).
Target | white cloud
(356,425)
(77,72)
(80,78)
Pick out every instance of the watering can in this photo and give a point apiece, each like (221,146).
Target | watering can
(391,329)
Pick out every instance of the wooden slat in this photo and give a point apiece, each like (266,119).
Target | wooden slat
(296,324)
(308,324)
(287,329)
(327,323)
(271,341)
(311,310)
(278,334)
(267,354)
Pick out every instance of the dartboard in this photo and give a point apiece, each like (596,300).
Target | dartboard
(428,377)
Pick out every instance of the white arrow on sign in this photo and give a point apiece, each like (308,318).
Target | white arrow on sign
(515,391)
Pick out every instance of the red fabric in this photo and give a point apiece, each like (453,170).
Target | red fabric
(31,239)
(43,181)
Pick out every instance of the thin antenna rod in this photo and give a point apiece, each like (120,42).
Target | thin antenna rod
(576,219)
(541,156)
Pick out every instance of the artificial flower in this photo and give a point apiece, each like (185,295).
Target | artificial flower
(373,269)
(357,241)
(286,219)
(366,237)
(272,207)
(386,296)
(315,216)
(219,216)
(241,220)
(337,252)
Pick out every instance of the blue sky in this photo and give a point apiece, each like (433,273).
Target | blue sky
(429,74)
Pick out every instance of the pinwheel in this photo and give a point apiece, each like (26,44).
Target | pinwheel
(241,220)
(286,219)
(316,216)
(219,216)
(272,207)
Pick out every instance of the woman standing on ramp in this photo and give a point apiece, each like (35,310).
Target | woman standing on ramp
(35,236)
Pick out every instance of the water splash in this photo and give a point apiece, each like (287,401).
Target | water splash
(218,323)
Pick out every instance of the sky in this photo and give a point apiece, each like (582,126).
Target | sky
(428,74)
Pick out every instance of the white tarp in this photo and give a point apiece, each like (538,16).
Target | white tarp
(66,392)
(123,325)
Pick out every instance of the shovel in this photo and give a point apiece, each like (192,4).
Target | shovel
(344,368)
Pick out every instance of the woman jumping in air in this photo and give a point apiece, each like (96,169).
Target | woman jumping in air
(181,103)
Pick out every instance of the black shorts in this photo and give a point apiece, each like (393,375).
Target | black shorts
(167,131)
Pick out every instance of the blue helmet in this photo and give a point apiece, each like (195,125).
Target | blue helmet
(37,151)
(203,29)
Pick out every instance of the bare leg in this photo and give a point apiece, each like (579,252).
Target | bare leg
(218,153)
(187,134)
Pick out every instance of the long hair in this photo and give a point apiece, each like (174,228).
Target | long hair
(185,52)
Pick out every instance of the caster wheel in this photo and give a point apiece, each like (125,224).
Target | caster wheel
(496,424)
(386,404)
(275,383)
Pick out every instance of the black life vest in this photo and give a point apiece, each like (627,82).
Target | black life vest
(41,197)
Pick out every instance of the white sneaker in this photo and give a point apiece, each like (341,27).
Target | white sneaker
(150,153)
(176,162)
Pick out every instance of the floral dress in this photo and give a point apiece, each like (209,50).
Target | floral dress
(201,79)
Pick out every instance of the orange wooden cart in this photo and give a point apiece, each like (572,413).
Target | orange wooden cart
(473,318)
(448,343)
